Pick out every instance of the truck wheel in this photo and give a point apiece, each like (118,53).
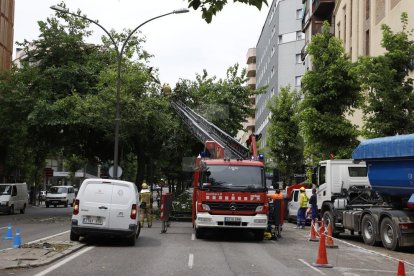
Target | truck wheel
(73,236)
(199,233)
(389,236)
(259,234)
(369,228)
(328,218)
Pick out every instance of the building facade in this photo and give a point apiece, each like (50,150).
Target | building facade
(249,124)
(278,57)
(6,33)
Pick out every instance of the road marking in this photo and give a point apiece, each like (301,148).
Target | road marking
(39,240)
(46,238)
(190,260)
(314,268)
(192,236)
(59,264)
(345,269)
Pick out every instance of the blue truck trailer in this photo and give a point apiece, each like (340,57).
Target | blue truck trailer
(390,168)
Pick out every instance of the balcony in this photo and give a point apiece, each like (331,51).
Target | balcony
(252,82)
(251,70)
(323,8)
(251,56)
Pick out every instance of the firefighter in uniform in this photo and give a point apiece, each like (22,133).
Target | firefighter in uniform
(145,199)
(278,210)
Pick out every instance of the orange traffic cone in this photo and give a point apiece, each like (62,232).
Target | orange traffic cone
(401,269)
(329,240)
(322,259)
(313,237)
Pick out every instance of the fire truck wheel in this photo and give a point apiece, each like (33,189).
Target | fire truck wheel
(259,234)
(199,233)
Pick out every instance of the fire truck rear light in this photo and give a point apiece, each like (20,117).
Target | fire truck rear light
(260,221)
(76,207)
(406,226)
(205,207)
(259,208)
(134,211)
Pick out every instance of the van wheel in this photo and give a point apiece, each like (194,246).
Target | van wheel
(66,204)
(47,205)
(55,206)
(73,236)
(23,209)
(11,210)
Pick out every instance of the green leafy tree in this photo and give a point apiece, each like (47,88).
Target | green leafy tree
(330,91)
(285,142)
(210,8)
(389,106)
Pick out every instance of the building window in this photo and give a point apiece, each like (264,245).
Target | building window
(298,80)
(299,35)
(298,58)
(272,72)
(280,39)
(339,29)
(367,43)
(345,26)
(273,50)
(299,14)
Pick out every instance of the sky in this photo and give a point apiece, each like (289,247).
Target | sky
(182,44)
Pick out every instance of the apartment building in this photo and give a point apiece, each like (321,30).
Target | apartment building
(6,33)
(249,125)
(278,57)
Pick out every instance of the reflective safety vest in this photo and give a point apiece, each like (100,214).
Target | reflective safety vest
(303,200)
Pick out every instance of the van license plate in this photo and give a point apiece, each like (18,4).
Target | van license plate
(232,219)
(93,220)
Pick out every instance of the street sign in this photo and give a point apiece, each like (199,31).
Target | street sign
(48,172)
(111,171)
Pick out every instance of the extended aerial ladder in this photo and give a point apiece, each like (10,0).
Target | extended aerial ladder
(208,133)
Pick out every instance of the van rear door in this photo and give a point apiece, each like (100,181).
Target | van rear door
(95,204)
(123,196)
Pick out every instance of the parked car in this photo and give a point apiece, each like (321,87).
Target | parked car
(293,204)
(13,196)
(60,195)
(106,207)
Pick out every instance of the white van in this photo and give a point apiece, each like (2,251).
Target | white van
(60,195)
(106,207)
(13,196)
(293,204)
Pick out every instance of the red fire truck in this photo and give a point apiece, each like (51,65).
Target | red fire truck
(229,180)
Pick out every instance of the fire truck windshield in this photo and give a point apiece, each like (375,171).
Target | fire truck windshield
(229,177)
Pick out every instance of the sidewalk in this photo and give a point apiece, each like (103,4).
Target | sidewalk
(39,253)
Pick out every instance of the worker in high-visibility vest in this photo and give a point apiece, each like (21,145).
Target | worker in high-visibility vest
(303,206)
(146,205)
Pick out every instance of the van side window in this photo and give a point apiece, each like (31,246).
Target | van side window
(322,175)
(14,192)
(295,196)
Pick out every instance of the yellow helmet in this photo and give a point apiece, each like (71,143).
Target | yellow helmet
(144,186)
(302,189)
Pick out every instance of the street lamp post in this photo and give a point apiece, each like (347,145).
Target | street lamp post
(119,54)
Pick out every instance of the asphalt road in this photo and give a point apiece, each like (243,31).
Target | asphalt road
(35,223)
(221,253)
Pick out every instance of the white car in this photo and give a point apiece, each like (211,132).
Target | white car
(106,207)
(60,195)
(293,204)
